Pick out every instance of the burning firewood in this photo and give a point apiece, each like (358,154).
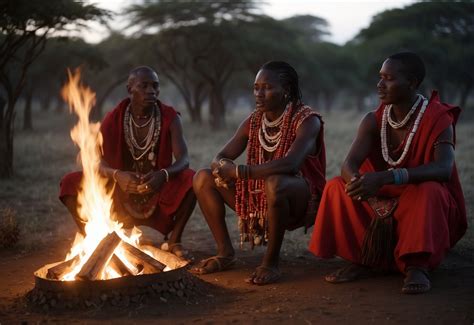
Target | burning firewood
(94,266)
(141,259)
(170,260)
(118,266)
(56,272)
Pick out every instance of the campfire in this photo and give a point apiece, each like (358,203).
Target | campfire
(107,250)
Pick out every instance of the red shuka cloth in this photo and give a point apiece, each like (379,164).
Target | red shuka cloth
(117,155)
(430,216)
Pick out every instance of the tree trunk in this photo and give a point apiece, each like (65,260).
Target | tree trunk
(98,109)
(6,143)
(45,102)
(27,120)
(216,109)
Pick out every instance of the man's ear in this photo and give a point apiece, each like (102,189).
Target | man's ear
(413,83)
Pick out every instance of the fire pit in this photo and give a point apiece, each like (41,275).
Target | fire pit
(107,264)
(119,292)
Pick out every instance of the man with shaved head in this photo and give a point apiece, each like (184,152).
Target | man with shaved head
(141,136)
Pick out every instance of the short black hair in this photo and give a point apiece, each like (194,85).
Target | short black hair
(288,77)
(414,66)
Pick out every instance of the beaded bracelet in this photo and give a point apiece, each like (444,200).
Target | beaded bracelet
(167,174)
(400,176)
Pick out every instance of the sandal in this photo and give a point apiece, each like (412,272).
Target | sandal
(273,274)
(213,264)
(416,281)
(348,273)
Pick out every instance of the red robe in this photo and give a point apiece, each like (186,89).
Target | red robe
(430,216)
(117,155)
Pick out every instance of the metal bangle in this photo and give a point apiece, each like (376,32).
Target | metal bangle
(166,173)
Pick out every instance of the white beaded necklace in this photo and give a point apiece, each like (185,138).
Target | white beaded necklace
(270,142)
(383,134)
(397,125)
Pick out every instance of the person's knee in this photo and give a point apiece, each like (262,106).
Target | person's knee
(202,178)
(275,188)
(431,190)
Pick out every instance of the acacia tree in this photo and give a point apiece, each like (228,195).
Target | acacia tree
(194,48)
(441,32)
(24,28)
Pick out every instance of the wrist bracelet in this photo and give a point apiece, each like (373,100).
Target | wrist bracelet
(114,174)
(166,173)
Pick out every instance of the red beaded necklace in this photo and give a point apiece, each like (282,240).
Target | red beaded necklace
(250,198)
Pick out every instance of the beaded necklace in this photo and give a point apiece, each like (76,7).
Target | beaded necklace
(151,139)
(397,125)
(250,198)
(383,134)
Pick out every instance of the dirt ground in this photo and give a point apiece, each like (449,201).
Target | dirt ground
(302,296)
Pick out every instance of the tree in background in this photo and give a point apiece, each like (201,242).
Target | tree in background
(46,75)
(441,32)
(24,28)
(195,46)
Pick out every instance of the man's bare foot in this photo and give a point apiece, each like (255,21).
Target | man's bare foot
(348,273)
(416,281)
(264,275)
(213,264)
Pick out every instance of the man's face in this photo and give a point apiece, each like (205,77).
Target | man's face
(144,89)
(268,91)
(394,87)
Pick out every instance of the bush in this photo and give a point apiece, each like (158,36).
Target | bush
(9,228)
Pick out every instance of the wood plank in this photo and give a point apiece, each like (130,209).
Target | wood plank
(58,271)
(96,263)
(140,259)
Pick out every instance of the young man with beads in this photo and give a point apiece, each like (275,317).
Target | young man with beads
(141,136)
(398,204)
(280,185)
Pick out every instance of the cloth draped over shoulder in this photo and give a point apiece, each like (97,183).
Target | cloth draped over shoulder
(430,216)
(117,156)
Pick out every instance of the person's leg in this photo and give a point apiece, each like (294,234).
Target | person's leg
(182,216)
(212,200)
(287,200)
(423,231)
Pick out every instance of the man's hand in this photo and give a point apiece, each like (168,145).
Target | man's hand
(224,173)
(362,187)
(127,181)
(151,182)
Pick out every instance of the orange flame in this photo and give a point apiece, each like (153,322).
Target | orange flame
(94,201)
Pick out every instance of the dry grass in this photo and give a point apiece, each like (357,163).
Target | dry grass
(43,156)
(9,228)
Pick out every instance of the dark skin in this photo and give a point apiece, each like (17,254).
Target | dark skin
(398,88)
(287,195)
(143,88)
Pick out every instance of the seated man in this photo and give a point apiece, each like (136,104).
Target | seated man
(140,138)
(280,186)
(398,203)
